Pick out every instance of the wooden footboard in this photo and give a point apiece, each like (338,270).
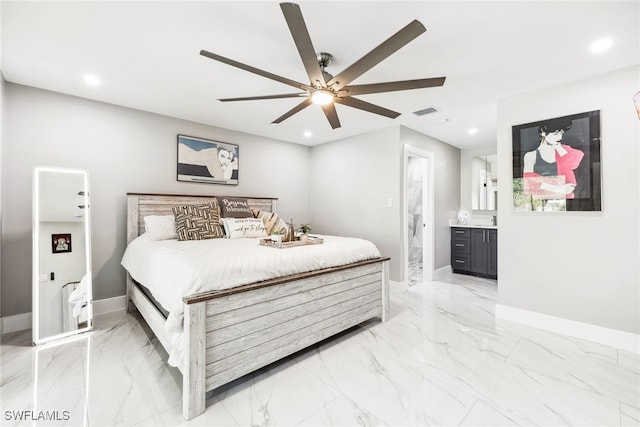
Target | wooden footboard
(234,332)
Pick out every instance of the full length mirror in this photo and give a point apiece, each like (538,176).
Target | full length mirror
(484,182)
(62,293)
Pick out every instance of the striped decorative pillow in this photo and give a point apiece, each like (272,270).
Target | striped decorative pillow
(198,222)
(272,221)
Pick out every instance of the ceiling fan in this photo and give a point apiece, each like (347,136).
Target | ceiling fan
(325,89)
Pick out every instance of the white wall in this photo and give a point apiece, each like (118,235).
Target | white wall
(582,266)
(123,150)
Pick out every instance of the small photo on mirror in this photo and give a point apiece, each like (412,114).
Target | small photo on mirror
(60,243)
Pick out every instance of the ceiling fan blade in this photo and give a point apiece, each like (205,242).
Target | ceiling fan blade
(391,86)
(254,70)
(300,34)
(304,104)
(366,106)
(377,55)
(332,115)
(254,98)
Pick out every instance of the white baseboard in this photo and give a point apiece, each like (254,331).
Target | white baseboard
(611,337)
(108,305)
(19,322)
(445,269)
(15,323)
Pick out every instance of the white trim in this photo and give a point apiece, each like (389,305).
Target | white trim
(611,337)
(429,215)
(109,305)
(445,269)
(19,322)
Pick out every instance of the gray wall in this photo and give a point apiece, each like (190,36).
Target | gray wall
(352,179)
(581,266)
(350,182)
(123,150)
(3,120)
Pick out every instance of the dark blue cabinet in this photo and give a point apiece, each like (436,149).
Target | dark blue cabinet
(474,251)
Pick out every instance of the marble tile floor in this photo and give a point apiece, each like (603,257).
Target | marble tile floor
(442,359)
(416,274)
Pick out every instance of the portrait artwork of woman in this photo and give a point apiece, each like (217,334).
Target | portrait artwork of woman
(556,164)
(549,169)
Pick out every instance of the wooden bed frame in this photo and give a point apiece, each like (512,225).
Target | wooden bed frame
(232,332)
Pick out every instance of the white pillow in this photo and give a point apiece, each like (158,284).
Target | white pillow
(161,227)
(238,228)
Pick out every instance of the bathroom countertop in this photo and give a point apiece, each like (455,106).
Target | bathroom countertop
(495,227)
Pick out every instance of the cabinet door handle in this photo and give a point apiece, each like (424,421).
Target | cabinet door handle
(459,232)
(488,237)
(459,244)
(483,238)
(458,261)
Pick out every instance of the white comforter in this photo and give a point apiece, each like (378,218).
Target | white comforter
(171,269)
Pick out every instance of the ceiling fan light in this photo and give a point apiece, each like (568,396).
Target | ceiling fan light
(322,97)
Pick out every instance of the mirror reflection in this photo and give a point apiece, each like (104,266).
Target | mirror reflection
(484,182)
(61,382)
(61,254)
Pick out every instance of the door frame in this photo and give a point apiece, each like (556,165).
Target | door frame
(428,198)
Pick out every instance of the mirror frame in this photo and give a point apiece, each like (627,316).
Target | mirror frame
(35,226)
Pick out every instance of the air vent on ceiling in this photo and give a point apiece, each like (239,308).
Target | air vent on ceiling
(428,110)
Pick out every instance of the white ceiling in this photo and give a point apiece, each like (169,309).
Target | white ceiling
(146,55)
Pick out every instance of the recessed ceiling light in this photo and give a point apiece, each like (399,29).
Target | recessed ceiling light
(308,133)
(601,45)
(472,131)
(91,80)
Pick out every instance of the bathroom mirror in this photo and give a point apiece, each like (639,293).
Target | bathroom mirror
(484,182)
(62,294)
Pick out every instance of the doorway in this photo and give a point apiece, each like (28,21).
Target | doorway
(418,215)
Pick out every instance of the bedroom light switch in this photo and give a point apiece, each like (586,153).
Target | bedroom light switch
(389,202)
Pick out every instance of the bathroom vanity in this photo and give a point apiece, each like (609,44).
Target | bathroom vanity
(474,250)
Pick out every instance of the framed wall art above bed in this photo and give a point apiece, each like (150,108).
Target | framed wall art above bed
(203,160)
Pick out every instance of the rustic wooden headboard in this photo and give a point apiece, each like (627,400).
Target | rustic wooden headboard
(140,205)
